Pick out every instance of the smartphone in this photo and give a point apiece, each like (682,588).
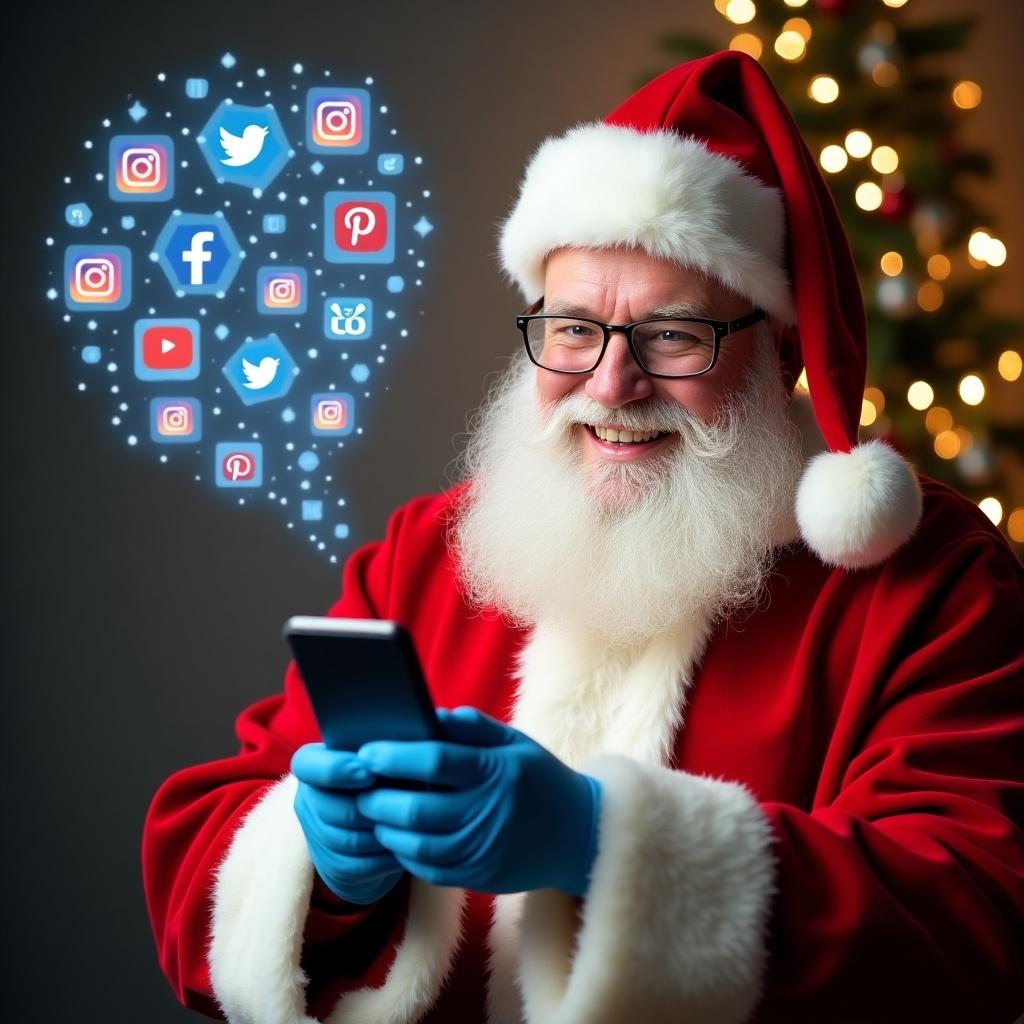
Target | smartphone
(364,681)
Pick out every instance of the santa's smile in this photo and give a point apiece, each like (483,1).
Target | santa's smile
(616,443)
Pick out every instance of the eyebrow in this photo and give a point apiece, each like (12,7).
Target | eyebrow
(674,310)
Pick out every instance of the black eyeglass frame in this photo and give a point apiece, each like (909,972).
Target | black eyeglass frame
(721,329)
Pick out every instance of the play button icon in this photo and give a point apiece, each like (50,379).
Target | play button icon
(167,349)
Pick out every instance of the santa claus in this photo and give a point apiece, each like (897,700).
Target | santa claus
(737,703)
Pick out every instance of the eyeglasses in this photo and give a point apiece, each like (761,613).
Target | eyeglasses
(661,347)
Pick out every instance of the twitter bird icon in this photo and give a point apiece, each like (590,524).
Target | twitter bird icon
(245,145)
(257,377)
(261,370)
(242,149)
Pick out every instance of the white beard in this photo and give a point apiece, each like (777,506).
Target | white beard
(624,551)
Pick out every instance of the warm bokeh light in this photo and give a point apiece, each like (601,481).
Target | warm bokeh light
(996,255)
(868,195)
(972,389)
(795,3)
(790,46)
(978,243)
(801,381)
(1010,365)
(920,395)
(868,413)
(833,158)
(894,3)
(947,445)
(992,508)
(799,25)
(857,143)
(930,296)
(740,11)
(938,267)
(748,43)
(891,263)
(966,439)
(928,241)
(720,6)
(937,420)
(966,95)
(885,159)
(876,398)
(885,74)
(1015,525)
(824,89)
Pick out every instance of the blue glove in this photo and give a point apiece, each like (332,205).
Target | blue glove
(510,817)
(342,846)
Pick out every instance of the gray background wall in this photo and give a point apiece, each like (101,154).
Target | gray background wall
(141,617)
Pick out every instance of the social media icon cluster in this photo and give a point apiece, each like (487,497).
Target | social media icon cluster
(213,212)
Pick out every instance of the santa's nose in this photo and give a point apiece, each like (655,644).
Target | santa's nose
(618,379)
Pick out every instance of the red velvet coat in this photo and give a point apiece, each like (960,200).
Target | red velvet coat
(815,814)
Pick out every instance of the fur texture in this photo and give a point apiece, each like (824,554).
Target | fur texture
(856,508)
(261,899)
(604,185)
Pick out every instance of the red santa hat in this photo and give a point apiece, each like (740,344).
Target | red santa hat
(704,166)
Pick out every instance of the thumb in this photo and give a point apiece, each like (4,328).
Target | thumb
(470,725)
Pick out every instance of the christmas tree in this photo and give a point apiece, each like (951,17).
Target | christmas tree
(871,100)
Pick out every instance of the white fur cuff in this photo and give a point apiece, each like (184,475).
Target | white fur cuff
(673,927)
(261,901)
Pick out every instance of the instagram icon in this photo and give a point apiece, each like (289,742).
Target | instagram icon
(281,290)
(141,168)
(331,414)
(97,278)
(175,420)
(336,121)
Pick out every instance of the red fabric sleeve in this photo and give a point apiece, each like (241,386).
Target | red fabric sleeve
(194,814)
(901,896)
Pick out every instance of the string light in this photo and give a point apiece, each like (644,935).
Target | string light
(858,143)
(992,508)
(967,95)
(868,195)
(920,395)
(876,398)
(1015,524)
(972,389)
(748,43)
(892,264)
(966,439)
(894,3)
(1010,365)
(938,267)
(885,159)
(938,420)
(868,412)
(983,248)
(801,26)
(824,89)
(796,3)
(740,11)
(791,46)
(947,445)
(885,74)
(930,296)
(833,159)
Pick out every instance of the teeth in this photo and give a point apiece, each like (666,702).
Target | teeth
(626,436)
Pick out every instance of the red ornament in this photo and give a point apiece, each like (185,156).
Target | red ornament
(896,205)
(837,8)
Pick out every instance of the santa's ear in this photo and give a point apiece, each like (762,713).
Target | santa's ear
(787,345)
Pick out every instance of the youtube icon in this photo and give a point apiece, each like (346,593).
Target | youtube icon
(167,349)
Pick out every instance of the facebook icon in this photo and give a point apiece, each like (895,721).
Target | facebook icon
(198,252)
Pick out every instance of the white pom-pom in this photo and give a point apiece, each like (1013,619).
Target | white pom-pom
(856,508)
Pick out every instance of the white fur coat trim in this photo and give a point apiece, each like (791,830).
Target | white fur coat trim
(602,185)
(260,904)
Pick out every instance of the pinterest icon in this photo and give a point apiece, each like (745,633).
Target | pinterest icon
(360,227)
(239,464)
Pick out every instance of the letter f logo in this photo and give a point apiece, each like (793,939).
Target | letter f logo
(195,255)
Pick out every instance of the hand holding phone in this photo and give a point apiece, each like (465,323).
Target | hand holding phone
(342,845)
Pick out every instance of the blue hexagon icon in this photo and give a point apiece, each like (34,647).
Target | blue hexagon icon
(244,145)
(198,252)
(261,370)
